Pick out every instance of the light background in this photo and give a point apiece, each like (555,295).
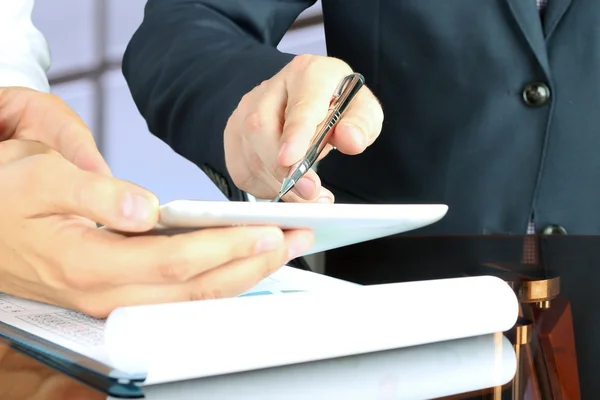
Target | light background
(87,40)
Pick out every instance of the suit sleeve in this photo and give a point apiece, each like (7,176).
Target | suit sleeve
(24,52)
(191,61)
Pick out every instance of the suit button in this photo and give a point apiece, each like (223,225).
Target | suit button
(554,230)
(536,94)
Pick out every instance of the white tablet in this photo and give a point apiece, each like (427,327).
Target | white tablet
(334,225)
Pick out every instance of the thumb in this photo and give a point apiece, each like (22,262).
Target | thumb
(57,186)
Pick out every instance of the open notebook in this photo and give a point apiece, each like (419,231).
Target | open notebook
(291,317)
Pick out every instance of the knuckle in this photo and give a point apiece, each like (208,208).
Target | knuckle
(232,244)
(203,293)
(245,101)
(253,123)
(177,266)
(302,61)
(174,270)
(264,85)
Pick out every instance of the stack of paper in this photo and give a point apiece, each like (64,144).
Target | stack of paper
(307,317)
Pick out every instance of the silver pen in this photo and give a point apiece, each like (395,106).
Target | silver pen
(342,97)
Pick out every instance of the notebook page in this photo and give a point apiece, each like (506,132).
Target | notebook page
(66,328)
(85,335)
(181,341)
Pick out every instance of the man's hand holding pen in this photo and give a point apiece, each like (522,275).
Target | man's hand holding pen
(273,126)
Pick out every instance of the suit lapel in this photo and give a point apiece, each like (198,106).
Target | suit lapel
(555,10)
(527,16)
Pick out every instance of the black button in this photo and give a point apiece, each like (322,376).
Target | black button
(554,230)
(536,94)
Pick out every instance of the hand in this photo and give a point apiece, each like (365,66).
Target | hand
(273,125)
(51,250)
(29,114)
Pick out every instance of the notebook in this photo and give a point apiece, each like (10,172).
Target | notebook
(291,317)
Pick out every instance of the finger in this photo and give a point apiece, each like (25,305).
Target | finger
(360,125)
(260,140)
(43,117)
(306,189)
(259,123)
(310,86)
(49,184)
(82,151)
(228,280)
(66,132)
(16,149)
(165,259)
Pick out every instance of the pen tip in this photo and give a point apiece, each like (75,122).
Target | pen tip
(286,186)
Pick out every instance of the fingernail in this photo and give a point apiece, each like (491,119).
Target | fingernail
(305,188)
(298,247)
(137,207)
(325,200)
(269,242)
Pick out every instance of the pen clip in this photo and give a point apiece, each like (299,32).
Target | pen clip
(342,97)
(346,90)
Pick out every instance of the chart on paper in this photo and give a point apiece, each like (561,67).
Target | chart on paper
(292,280)
(67,328)
(9,305)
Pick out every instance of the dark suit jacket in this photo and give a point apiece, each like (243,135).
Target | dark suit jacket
(450,75)
(489,108)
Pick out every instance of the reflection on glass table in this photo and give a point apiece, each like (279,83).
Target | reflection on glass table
(554,344)
(421,372)
(554,276)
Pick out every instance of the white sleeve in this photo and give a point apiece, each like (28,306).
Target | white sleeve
(24,51)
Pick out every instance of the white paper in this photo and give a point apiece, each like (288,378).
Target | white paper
(85,335)
(420,372)
(330,318)
(66,328)
(180,341)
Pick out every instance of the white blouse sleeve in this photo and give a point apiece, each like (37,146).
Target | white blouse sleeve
(24,51)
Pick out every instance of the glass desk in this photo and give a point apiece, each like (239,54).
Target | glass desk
(551,353)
